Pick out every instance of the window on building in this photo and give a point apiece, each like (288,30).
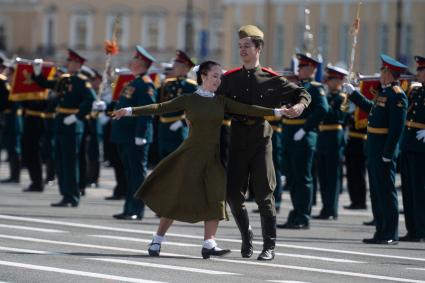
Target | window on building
(323,41)
(153,36)
(344,42)
(3,37)
(409,43)
(384,38)
(81,31)
(49,29)
(181,32)
(279,46)
(364,48)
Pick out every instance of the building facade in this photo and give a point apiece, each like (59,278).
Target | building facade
(46,28)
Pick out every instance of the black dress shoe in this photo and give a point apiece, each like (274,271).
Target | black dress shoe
(293,226)
(266,254)
(325,217)
(154,252)
(114,197)
(123,216)
(207,253)
(64,204)
(408,238)
(370,223)
(33,189)
(380,242)
(355,206)
(10,181)
(246,248)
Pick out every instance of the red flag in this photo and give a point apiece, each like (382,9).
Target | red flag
(24,88)
(122,80)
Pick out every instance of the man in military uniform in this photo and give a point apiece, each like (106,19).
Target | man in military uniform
(134,136)
(330,145)
(11,137)
(251,147)
(172,129)
(299,145)
(387,115)
(74,102)
(413,159)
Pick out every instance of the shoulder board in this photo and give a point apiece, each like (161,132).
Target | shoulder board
(170,80)
(147,79)
(88,85)
(193,82)
(397,89)
(83,77)
(65,76)
(270,71)
(3,77)
(314,83)
(232,71)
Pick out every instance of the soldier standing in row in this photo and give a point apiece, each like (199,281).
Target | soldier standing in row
(12,132)
(172,128)
(330,145)
(299,138)
(134,136)
(387,116)
(413,159)
(251,146)
(74,102)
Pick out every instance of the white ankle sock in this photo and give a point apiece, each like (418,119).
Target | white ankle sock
(210,244)
(158,239)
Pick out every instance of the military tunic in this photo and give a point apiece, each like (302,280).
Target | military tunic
(387,115)
(74,96)
(330,148)
(169,140)
(251,147)
(197,194)
(12,132)
(298,155)
(138,92)
(412,164)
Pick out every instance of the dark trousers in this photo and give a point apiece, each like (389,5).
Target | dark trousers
(67,167)
(413,191)
(48,148)
(135,161)
(299,181)
(121,187)
(355,162)
(277,161)
(382,190)
(329,172)
(256,164)
(31,149)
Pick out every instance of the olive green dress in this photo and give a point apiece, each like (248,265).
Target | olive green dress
(190,184)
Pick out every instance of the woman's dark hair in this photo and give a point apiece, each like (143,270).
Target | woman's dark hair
(204,69)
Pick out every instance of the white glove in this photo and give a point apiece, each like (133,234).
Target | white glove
(294,111)
(140,141)
(386,160)
(420,135)
(176,125)
(37,66)
(299,135)
(70,119)
(103,119)
(278,112)
(98,105)
(348,88)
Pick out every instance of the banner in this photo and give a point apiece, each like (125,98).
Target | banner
(122,80)
(24,88)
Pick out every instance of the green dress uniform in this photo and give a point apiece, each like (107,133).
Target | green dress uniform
(197,194)
(169,140)
(251,147)
(276,124)
(75,96)
(412,162)
(35,113)
(387,115)
(298,155)
(330,148)
(355,162)
(138,92)
(12,132)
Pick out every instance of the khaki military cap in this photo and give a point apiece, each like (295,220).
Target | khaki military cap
(250,31)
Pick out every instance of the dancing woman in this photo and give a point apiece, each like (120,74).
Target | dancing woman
(190,184)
